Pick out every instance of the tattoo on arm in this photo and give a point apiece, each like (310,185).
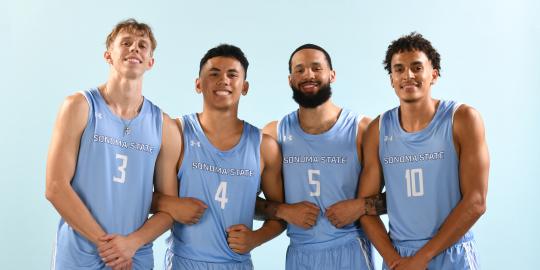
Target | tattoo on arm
(375,205)
(265,209)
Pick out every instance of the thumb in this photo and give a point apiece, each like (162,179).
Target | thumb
(237,227)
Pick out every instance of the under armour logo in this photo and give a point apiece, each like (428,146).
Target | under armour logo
(99,115)
(388,138)
(195,143)
(287,138)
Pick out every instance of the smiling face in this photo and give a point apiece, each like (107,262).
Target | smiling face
(130,54)
(310,78)
(412,75)
(222,81)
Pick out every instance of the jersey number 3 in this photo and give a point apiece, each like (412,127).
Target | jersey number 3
(121,168)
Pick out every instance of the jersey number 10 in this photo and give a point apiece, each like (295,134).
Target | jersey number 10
(415,182)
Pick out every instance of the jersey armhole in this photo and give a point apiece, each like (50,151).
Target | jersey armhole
(456,107)
(380,121)
(278,127)
(86,94)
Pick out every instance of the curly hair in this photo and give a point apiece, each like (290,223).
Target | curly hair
(412,42)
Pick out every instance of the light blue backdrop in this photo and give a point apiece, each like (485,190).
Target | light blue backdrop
(490,60)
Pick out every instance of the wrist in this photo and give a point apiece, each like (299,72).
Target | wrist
(281,209)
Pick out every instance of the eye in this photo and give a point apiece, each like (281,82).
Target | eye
(317,68)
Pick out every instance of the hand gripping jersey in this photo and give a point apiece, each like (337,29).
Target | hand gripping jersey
(421,173)
(114,179)
(226,181)
(322,169)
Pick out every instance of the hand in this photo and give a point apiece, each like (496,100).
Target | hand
(303,214)
(188,210)
(411,263)
(125,266)
(392,265)
(116,251)
(345,212)
(241,239)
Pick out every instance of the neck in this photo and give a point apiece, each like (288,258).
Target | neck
(320,119)
(123,96)
(415,116)
(222,128)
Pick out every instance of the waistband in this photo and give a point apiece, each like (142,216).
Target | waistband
(420,243)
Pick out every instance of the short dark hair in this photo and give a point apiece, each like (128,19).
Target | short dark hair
(314,47)
(226,50)
(412,42)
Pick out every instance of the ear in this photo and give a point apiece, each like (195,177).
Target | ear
(391,81)
(198,88)
(245,88)
(151,63)
(332,76)
(107,56)
(289,78)
(434,76)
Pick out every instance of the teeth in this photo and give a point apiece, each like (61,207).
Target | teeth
(133,60)
(222,93)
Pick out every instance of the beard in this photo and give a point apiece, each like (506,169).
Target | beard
(312,100)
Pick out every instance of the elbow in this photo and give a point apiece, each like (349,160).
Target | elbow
(52,191)
(478,206)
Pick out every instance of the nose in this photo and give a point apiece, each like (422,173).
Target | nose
(223,80)
(409,74)
(309,74)
(134,47)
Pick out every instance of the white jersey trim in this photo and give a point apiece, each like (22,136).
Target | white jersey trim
(456,107)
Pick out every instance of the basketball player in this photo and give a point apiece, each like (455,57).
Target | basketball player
(320,143)
(110,147)
(224,163)
(433,157)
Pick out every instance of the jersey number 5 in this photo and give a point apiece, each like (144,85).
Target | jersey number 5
(121,168)
(312,181)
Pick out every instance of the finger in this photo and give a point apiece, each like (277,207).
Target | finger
(237,227)
(108,255)
(119,261)
(105,247)
(106,237)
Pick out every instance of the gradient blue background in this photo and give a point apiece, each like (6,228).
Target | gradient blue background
(490,60)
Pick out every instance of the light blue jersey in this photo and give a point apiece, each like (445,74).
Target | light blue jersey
(114,179)
(226,181)
(322,169)
(421,173)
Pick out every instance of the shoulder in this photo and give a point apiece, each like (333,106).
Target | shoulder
(467,122)
(270,129)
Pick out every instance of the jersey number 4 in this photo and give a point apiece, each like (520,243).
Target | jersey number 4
(121,168)
(221,194)
(415,182)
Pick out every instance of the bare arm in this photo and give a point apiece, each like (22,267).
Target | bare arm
(469,138)
(120,248)
(183,210)
(302,214)
(371,183)
(240,238)
(348,211)
(61,162)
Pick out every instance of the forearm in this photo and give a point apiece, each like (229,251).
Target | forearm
(376,232)
(456,225)
(266,209)
(269,230)
(152,229)
(74,212)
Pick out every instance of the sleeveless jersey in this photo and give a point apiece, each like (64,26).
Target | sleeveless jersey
(322,169)
(421,173)
(113,178)
(226,181)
